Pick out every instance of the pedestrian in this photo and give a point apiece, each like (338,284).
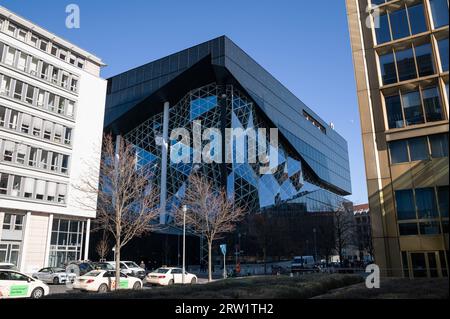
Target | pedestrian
(142,265)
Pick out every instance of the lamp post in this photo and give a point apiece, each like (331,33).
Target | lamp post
(315,245)
(184,242)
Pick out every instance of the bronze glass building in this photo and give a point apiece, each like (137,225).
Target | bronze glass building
(400,54)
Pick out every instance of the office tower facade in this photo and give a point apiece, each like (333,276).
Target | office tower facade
(400,55)
(51,116)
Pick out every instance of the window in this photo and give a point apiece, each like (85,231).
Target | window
(11,29)
(405,204)
(8,151)
(33,68)
(426,203)
(5,85)
(54,163)
(399,24)
(65,164)
(34,40)
(2,115)
(405,64)
(51,191)
(439,11)
(394,111)
(18,223)
(432,104)
(30,94)
(408,229)
(22,35)
(383,33)
(417,19)
(398,151)
(424,57)
(40,189)
(439,145)
(418,148)
(22,61)
(48,126)
(443,52)
(429,228)
(9,57)
(45,70)
(18,90)
(388,72)
(28,188)
(32,158)
(62,192)
(17,181)
(412,107)
(67,136)
(21,154)
(3,183)
(43,45)
(37,126)
(44,159)
(7,221)
(54,50)
(443,200)
(26,121)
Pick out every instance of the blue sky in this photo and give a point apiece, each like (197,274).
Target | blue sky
(304,44)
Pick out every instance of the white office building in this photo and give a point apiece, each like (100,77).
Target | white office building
(51,120)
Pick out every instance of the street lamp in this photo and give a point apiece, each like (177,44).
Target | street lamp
(184,242)
(315,246)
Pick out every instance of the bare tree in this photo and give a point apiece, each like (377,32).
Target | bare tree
(102,249)
(210,212)
(343,229)
(123,195)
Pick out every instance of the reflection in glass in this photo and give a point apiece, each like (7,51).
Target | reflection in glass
(405,204)
(394,111)
(412,108)
(432,104)
(388,72)
(406,65)
(399,24)
(424,57)
(426,203)
(418,148)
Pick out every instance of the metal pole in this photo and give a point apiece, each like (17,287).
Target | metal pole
(184,242)
(315,246)
(224,267)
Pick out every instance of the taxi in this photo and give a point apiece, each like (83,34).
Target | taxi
(105,280)
(14,284)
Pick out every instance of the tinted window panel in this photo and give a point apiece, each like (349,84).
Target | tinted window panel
(399,152)
(418,148)
(443,200)
(429,228)
(426,203)
(432,104)
(439,145)
(383,33)
(412,108)
(394,111)
(399,24)
(405,204)
(388,72)
(443,52)
(417,19)
(424,58)
(406,65)
(408,229)
(439,11)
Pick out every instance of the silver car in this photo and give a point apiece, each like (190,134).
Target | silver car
(54,275)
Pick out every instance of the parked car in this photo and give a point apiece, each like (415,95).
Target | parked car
(166,276)
(130,268)
(303,263)
(105,280)
(14,284)
(54,275)
(79,268)
(103,266)
(8,266)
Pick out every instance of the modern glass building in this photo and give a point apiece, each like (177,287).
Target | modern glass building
(217,85)
(400,53)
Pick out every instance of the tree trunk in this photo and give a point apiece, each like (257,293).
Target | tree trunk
(209,261)
(264,260)
(117,259)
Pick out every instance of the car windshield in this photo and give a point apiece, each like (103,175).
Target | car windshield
(93,273)
(131,264)
(161,270)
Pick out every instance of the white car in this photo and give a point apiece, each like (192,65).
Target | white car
(130,268)
(166,276)
(54,275)
(14,284)
(104,281)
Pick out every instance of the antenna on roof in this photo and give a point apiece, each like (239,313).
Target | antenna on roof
(332,125)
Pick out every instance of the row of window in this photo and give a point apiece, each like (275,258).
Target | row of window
(394,25)
(39,42)
(35,96)
(415,61)
(13,221)
(439,13)
(419,148)
(32,188)
(37,68)
(35,126)
(9,253)
(31,156)
(67,232)
(422,203)
(423,228)
(414,107)
(314,122)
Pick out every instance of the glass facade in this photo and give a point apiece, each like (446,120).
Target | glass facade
(66,241)
(218,106)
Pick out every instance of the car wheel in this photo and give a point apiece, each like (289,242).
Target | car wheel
(170,282)
(193,281)
(56,281)
(137,286)
(103,288)
(37,293)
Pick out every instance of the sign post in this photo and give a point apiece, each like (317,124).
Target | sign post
(223,248)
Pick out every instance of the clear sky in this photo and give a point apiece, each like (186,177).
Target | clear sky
(304,44)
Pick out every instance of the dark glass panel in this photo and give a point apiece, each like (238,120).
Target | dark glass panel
(405,204)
